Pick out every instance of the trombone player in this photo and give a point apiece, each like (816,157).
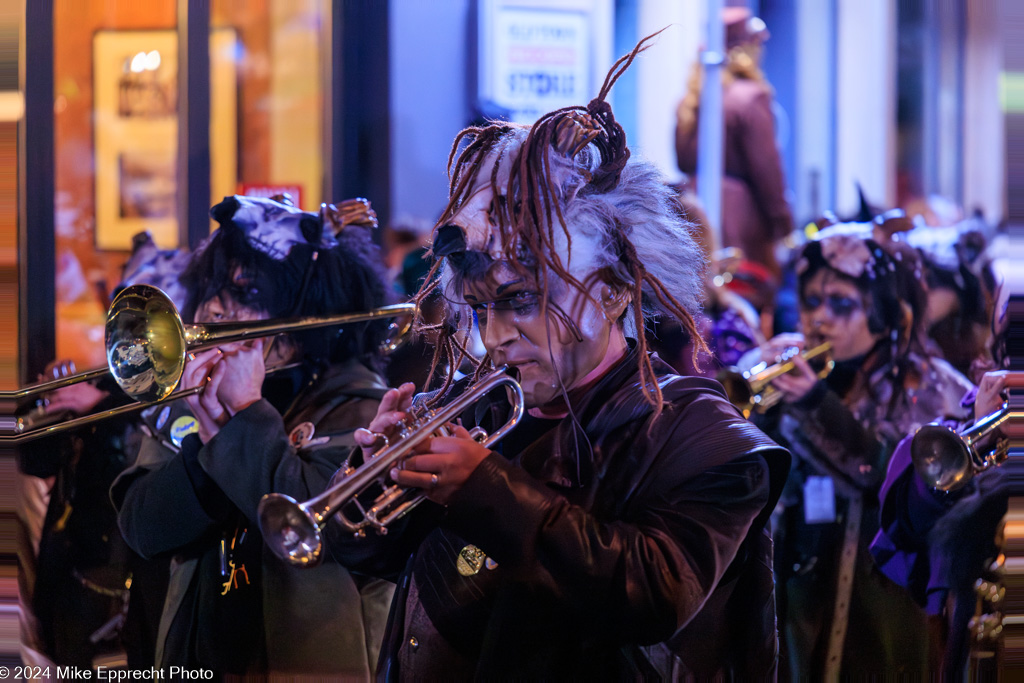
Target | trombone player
(192,495)
(620,531)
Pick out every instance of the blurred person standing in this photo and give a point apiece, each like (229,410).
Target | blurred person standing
(755,213)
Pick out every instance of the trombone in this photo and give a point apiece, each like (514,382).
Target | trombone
(292,530)
(147,344)
(946,459)
(751,390)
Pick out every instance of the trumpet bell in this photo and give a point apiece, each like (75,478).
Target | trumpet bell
(752,391)
(738,389)
(941,457)
(145,343)
(947,459)
(297,537)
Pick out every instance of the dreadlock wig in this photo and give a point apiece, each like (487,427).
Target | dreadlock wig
(568,203)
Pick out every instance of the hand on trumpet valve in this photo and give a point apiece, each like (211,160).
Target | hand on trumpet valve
(798,382)
(781,346)
(992,393)
(391,412)
(444,468)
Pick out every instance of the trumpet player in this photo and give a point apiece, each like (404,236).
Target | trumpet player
(619,530)
(937,544)
(191,497)
(840,617)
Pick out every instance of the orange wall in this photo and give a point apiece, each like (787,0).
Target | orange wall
(81,311)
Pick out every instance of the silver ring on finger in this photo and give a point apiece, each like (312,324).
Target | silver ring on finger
(433,480)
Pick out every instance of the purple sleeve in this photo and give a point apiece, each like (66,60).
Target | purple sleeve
(909,511)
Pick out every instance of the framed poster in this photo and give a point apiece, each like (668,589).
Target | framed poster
(135,126)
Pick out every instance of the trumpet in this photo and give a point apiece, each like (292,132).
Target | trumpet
(751,390)
(292,530)
(147,344)
(946,459)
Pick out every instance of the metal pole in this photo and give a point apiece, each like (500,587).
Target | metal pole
(37,341)
(193,122)
(360,120)
(710,144)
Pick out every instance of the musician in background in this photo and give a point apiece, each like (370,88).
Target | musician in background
(939,563)
(192,495)
(962,292)
(82,573)
(729,324)
(619,530)
(93,597)
(838,614)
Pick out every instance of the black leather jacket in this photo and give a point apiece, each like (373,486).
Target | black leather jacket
(654,535)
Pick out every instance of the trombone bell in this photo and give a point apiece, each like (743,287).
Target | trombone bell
(145,343)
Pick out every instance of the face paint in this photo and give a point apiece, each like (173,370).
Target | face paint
(832,309)
(560,347)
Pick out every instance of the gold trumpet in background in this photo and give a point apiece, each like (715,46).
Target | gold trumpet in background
(751,390)
(362,497)
(946,459)
(147,344)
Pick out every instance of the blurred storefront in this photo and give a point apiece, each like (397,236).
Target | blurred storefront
(117,74)
(144,115)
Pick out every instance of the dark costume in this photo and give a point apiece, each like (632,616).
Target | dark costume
(835,606)
(232,606)
(589,544)
(755,213)
(938,563)
(84,569)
